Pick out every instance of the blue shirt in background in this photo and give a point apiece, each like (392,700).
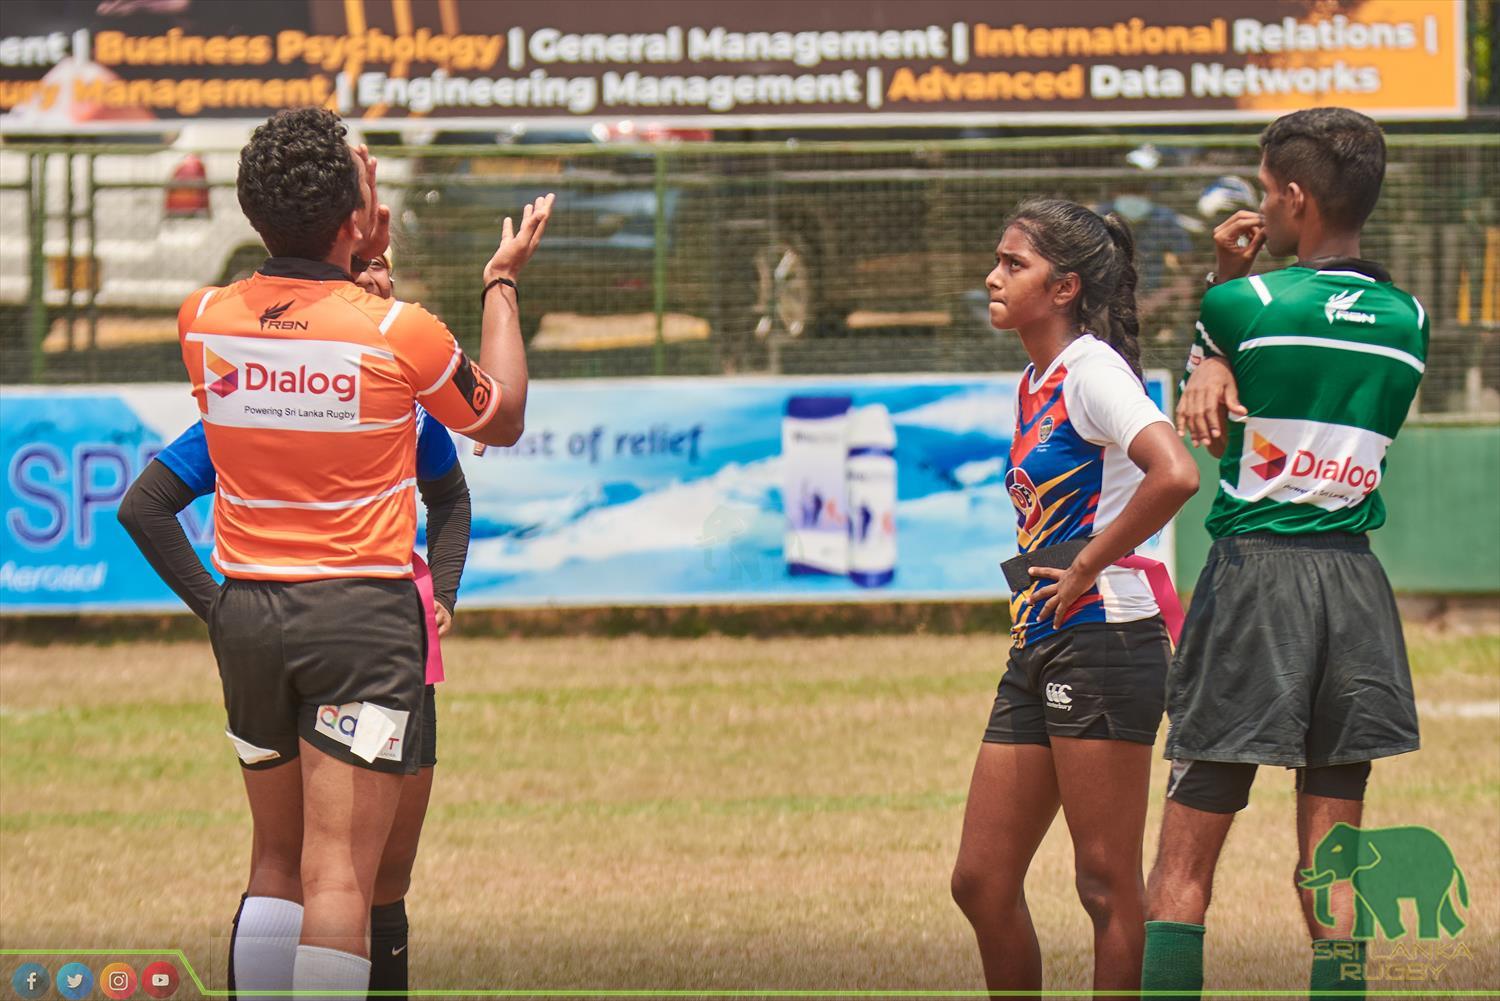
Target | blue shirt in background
(188,458)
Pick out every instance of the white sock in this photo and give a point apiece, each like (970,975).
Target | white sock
(320,969)
(265,946)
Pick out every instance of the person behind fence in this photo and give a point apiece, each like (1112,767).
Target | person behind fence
(307,386)
(1094,471)
(1292,653)
(182,472)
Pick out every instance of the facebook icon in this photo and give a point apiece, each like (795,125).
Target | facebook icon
(30,981)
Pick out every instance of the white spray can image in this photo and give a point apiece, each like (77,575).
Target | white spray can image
(871,474)
(813,493)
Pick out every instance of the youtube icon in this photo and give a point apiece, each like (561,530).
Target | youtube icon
(159,979)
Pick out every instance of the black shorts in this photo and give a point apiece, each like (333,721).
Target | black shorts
(1096,680)
(428,757)
(322,660)
(1292,655)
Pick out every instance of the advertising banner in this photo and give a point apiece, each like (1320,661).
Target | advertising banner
(137,65)
(638,492)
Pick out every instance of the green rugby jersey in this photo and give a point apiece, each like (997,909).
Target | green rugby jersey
(1328,357)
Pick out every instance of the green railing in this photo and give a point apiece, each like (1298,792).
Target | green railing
(705,258)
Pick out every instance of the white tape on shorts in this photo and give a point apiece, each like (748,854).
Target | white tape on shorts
(376,727)
(248,752)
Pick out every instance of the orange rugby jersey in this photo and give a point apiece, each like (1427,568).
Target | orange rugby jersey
(307,386)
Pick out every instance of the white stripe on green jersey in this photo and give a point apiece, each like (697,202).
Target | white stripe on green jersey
(1328,361)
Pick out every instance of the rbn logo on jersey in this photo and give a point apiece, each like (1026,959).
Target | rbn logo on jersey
(271,319)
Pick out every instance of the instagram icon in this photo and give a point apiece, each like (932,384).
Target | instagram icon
(117,980)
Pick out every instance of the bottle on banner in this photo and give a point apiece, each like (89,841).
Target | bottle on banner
(871,475)
(814,436)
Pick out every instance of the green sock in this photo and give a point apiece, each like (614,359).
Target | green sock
(1338,965)
(1174,957)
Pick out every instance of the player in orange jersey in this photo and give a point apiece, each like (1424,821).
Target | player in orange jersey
(182,472)
(308,386)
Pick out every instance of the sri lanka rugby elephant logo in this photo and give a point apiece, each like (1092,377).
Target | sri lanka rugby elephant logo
(1386,865)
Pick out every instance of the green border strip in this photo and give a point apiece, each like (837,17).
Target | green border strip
(710,993)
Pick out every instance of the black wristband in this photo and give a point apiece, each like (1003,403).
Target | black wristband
(498,281)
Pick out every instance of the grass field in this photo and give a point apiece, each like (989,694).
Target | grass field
(655,813)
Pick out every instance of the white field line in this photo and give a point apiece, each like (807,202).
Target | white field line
(1467,709)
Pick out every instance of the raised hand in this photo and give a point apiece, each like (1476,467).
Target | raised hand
(518,244)
(375,229)
(1233,259)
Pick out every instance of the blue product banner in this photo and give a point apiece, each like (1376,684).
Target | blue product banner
(70,455)
(652,491)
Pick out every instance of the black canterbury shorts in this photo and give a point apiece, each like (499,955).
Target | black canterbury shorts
(340,663)
(1095,680)
(1292,655)
(428,757)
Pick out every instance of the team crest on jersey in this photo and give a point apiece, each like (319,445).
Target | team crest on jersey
(1023,495)
(1044,431)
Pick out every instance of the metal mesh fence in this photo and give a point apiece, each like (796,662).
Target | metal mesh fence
(706,258)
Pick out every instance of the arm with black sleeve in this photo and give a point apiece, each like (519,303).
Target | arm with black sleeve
(449,514)
(149,513)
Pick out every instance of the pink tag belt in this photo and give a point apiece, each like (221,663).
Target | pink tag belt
(423,578)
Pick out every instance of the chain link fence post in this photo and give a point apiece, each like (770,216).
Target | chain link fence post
(36,204)
(659,262)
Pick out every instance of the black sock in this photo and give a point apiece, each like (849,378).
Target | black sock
(234,930)
(388,930)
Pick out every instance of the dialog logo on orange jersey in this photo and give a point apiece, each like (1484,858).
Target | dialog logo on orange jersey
(227,376)
(300,385)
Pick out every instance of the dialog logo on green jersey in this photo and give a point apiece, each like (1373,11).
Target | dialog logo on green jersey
(1275,458)
(1340,306)
(1331,466)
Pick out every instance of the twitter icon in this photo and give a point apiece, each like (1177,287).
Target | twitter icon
(75,982)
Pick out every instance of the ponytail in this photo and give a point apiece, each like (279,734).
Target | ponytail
(1101,251)
(1123,331)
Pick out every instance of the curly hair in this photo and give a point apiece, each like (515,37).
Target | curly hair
(298,182)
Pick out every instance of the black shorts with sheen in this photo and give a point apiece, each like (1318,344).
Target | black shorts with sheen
(1293,655)
(1095,680)
(321,660)
(428,757)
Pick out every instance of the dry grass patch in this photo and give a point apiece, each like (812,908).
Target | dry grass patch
(650,813)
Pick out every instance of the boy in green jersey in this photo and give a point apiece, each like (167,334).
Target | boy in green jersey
(1292,654)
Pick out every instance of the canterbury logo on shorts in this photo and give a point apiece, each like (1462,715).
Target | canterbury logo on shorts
(1058,697)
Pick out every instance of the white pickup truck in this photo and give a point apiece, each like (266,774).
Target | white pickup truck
(166,220)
